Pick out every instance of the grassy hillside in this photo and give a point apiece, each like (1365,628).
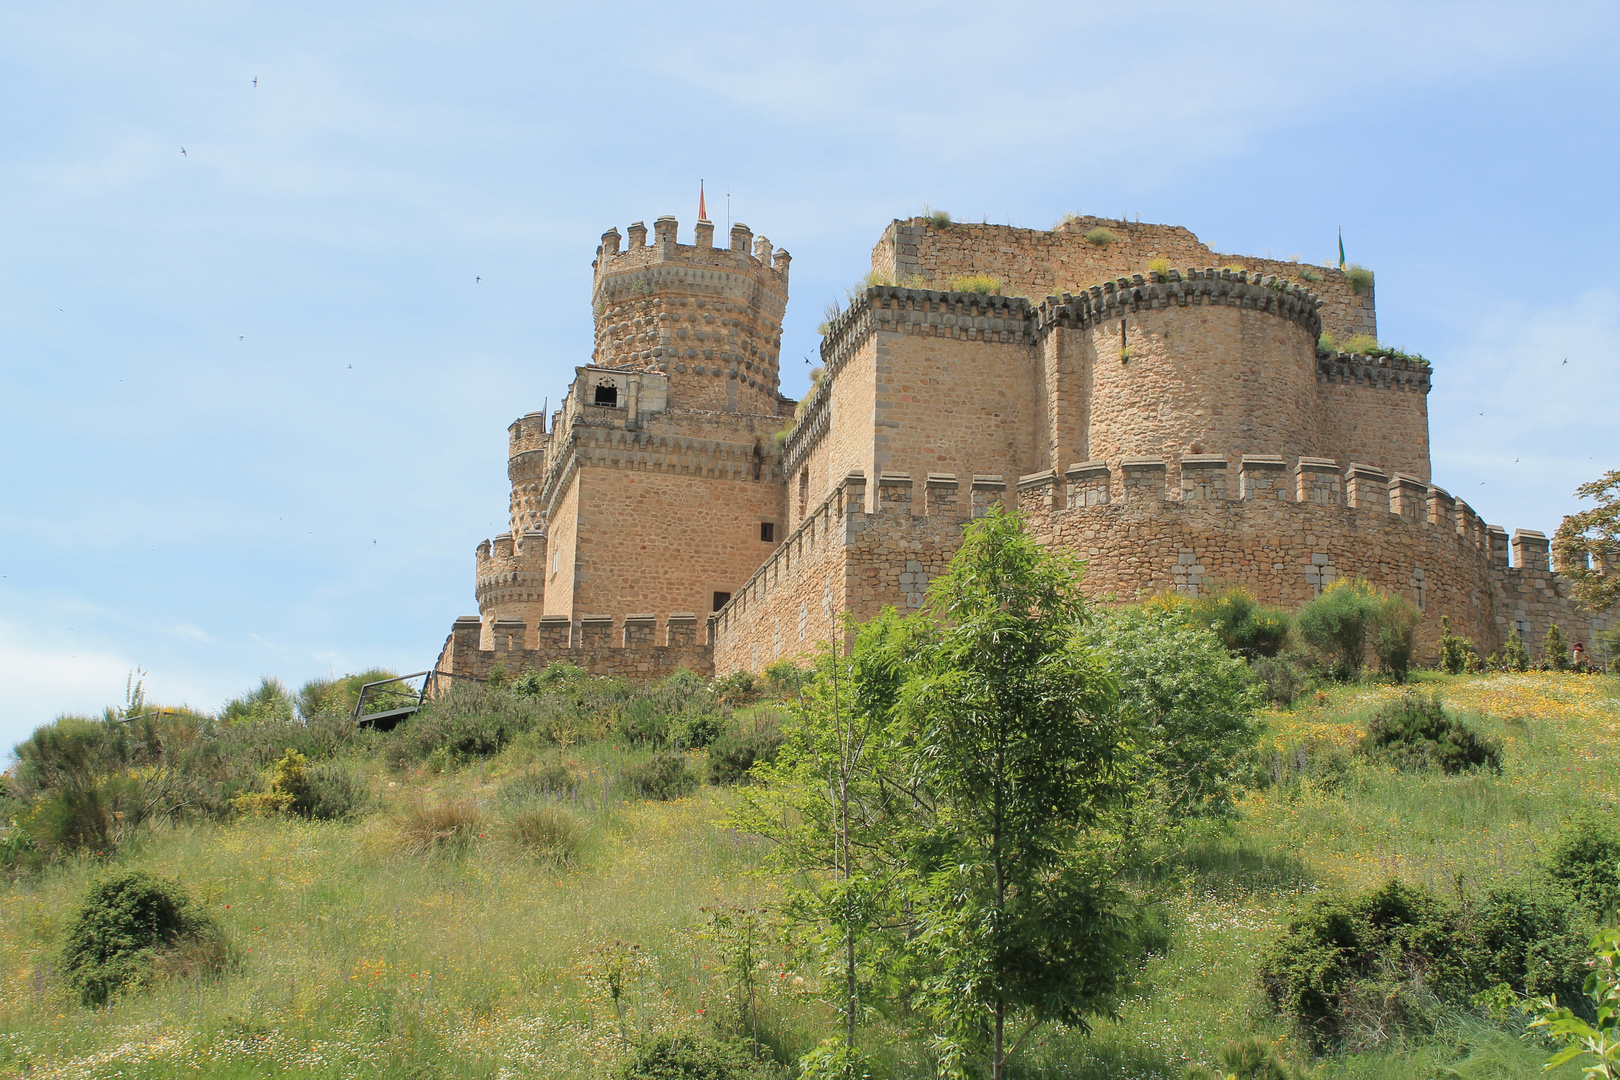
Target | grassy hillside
(358,956)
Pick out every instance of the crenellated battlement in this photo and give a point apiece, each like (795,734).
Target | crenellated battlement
(1178,288)
(602,644)
(1389,372)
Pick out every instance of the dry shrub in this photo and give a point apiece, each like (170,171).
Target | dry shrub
(552,835)
(447,828)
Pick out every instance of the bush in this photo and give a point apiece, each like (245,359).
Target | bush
(1251,1058)
(1360,278)
(1159,269)
(1337,622)
(1395,627)
(551,834)
(687,1057)
(269,702)
(785,678)
(939,219)
(1309,274)
(1242,624)
(1100,236)
(447,828)
(976,283)
(1554,649)
(1584,859)
(733,755)
(1515,657)
(738,688)
(469,721)
(333,792)
(1190,702)
(663,777)
(125,925)
(1456,651)
(551,781)
(1280,678)
(1415,734)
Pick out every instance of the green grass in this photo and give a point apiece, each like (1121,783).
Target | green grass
(359,958)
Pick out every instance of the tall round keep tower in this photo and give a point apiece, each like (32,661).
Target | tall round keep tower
(710,318)
(1202,362)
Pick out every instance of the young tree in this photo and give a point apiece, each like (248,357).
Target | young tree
(1394,632)
(1016,747)
(1515,657)
(1554,650)
(1593,536)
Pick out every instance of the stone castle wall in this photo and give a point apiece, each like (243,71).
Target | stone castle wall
(627,651)
(1035,263)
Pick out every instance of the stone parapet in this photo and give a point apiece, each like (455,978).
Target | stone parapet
(1191,288)
(633,654)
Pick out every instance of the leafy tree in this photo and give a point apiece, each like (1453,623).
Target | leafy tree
(843,812)
(1577,1035)
(1018,748)
(1189,703)
(1593,535)
(125,922)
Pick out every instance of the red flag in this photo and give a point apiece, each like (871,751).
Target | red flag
(703,211)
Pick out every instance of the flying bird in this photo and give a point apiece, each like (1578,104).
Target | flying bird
(255,80)
(183,152)
(476,280)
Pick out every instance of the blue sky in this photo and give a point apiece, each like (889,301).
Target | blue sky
(253,401)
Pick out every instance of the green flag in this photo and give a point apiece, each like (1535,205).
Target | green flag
(1341,249)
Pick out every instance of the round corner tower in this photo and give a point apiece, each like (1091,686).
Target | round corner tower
(709,318)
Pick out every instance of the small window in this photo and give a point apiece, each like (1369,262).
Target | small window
(767,531)
(607,394)
(720,599)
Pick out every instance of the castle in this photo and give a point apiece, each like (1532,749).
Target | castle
(1176,429)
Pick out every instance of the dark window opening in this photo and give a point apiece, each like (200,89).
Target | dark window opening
(720,599)
(607,394)
(759,460)
(804,489)
(767,531)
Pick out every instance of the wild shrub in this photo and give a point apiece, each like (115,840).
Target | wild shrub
(1456,651)
(1360,278)
(1515,657)
(1394,635)
(689,1057)
(470,721)
(1190,704)
(1243,624)
(785,678)
(939,219)
(738,688)
(1584,858)
(1251,1058)
(733,755)
(1352,971)
(550,781)
(696,731)
(1100,236)
(269,701)
(338,696)
(1310,274)
(1363,344)
(94,816)
(1414,734)
(126,923)
(1554,649)
(1280,678)
(333,792)
(1337,622)
(662,777)
(446,828)
(1159,269)
(983,284)
(550,834)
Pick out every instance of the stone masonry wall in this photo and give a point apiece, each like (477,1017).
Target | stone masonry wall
(462,654)
(1375,409)
(843,559)
(1036,263)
